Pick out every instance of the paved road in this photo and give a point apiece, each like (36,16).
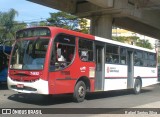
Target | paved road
(112,99)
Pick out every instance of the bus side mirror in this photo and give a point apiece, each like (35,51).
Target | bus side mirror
(59,52)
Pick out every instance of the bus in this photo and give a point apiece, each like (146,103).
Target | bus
(51,60)
(4,51)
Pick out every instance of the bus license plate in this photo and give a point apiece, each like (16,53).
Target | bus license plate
(20,86)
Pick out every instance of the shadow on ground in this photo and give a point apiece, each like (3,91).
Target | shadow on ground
(43,100)
(116,93)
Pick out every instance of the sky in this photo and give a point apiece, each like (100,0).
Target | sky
(27,11)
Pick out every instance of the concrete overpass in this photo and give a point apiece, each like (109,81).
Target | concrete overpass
(142,16)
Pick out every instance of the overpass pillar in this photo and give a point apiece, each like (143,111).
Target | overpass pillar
(101,26)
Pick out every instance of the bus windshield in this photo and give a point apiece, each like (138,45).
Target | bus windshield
(29,54)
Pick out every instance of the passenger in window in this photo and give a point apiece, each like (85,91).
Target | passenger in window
(62,61)
(109,58)
(141,62)
(84,55)
(116,60)
(60,53)
(137,62)
(123,62)
(60,57)
(70,55)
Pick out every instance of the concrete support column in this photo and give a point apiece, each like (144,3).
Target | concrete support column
(101,26)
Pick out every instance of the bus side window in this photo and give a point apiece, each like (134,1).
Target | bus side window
(84,55)
(109,58)
(63,52)
(122,56)
(85,50)
(138,58)
(115,59)
(145,59)
(70,53)
(152,60)
(112,54)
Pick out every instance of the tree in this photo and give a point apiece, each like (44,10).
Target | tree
(129,39)
(68,21)
(41,23)
(144,43)
(83,25)
(8,25)
(120,38)
(64,20)
(134,40)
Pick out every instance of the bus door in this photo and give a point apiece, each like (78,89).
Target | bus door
(99,80)
(130,79)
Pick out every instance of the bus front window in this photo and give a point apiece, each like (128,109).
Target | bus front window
(29,54)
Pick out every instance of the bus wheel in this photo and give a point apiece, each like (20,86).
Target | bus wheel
(137,86)
(79,92)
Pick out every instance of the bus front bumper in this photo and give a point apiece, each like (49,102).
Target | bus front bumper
(38,87)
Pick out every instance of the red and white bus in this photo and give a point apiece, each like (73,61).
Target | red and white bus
(51,60)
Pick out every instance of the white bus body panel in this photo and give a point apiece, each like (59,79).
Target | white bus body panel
(122,44)
(40,85)
(115,77)
(148,75)
(115,84)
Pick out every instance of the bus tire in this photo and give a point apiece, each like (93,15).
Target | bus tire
(137,86)
(79,92)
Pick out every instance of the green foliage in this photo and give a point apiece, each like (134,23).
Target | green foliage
(41,23)
(120,38)
(8,26)
(124,39)
(144,43)
(83,25)
(134,39)
(64,20)
(68,21)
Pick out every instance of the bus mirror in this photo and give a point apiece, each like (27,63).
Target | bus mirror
(59,52)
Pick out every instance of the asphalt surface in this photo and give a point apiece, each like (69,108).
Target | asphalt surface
(149,98)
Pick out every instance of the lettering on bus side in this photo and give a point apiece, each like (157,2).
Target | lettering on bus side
(65,72)
(112,69)
(83,69)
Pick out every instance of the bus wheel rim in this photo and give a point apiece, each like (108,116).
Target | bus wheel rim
(137,87)
(81,91)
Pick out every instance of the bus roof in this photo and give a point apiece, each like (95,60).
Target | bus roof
(105,40)
(123,44)
(88,36)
